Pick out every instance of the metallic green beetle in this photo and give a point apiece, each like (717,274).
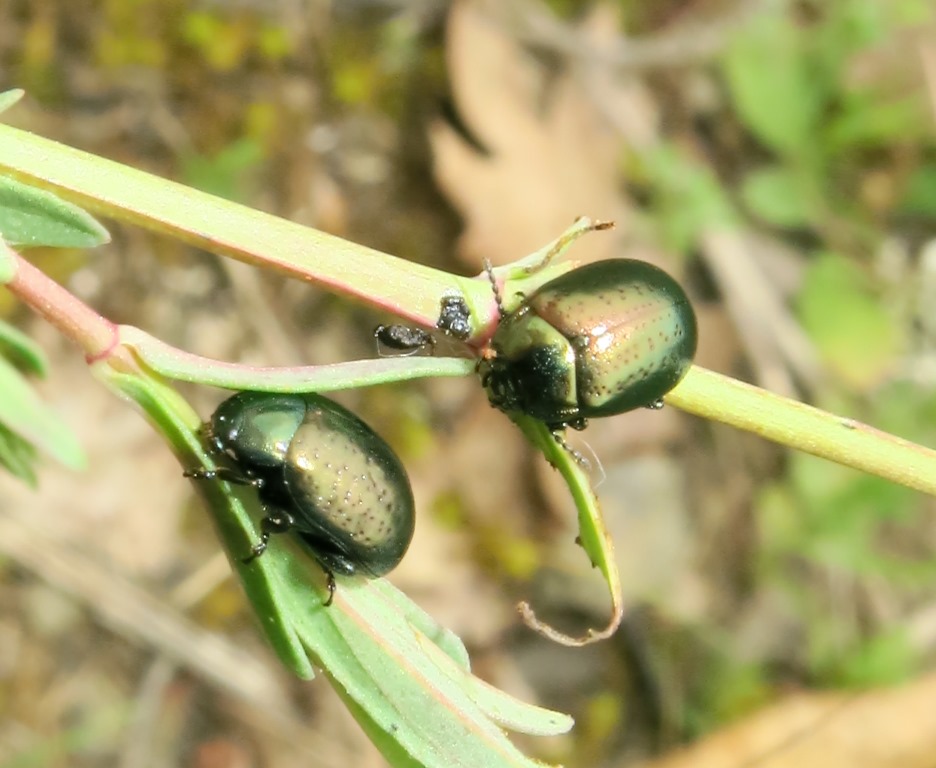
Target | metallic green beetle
(320,472)
(599,340)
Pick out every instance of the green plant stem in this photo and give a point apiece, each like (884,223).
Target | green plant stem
(839,439)
(409,290)
(413,291)
(100,339)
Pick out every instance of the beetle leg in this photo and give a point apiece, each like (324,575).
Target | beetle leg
(330,586)
(275,521)
(257,549)
(214,442)
(226,474)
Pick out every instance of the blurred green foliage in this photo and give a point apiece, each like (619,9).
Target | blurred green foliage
(29,218)
(791,85)
(827,125)
(226,173)
(830,147)
(857,336)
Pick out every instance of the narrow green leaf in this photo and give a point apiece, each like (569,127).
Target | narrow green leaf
(517,715)
(413,699)
(17,456)
(593,534)
(183,366)
(9,98)
(446,640)
(33,217)
(21,350)
(24,413)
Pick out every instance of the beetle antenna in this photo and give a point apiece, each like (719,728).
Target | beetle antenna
(489,269)
(579,457)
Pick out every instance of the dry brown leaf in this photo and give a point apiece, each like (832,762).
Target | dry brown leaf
(890,728)
(551,156)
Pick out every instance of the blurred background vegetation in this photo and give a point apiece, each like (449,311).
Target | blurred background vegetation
(780,157)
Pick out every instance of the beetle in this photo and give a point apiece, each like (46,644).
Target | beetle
(454,320)
(404,338)
(599,340)
(321,473)
(454,317)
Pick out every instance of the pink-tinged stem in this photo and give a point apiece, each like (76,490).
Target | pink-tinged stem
(95,334)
